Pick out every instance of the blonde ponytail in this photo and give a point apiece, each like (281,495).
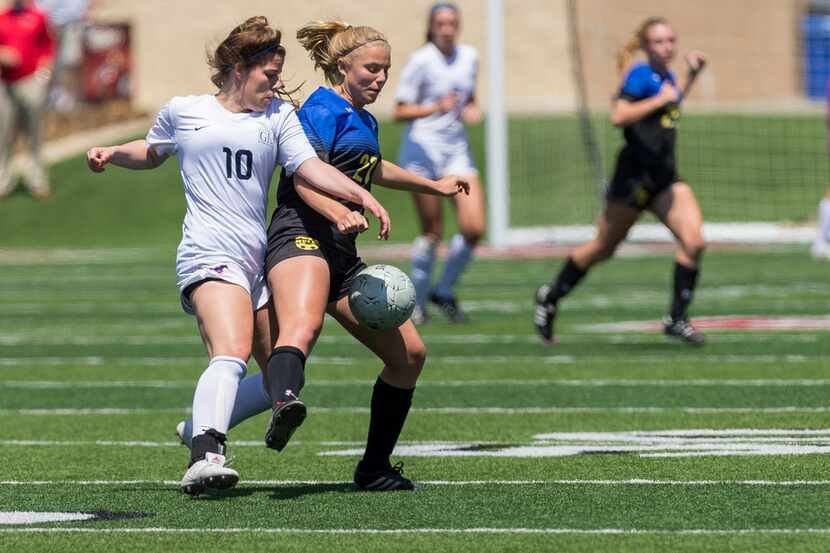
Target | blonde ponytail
(626,55)
(638,41)
(327,42)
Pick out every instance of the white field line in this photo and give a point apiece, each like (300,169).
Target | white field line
(820,439)
(449,483)
(790,409)
(53,339)
(398,531)
(20,257)
(439,360)
(96,303)
(572,383)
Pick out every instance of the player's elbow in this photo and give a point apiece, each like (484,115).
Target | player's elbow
(617,119)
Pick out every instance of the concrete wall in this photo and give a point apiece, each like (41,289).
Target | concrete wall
(170,38)
(753,44)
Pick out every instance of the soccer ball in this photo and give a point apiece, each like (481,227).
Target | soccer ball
(382,297)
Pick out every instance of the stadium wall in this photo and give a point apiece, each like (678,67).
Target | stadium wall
(754,47)
(170,38)
(753,44)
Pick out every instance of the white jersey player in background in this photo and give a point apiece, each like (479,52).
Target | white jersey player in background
(228,145)
(437,95)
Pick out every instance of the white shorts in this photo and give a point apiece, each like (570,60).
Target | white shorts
(434,161)
(254,283)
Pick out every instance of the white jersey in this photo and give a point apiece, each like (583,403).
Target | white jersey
(428,76)
(226,161)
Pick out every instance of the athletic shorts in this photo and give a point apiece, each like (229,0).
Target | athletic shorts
(433,161)
(287,240)
(226,271)
(635,184)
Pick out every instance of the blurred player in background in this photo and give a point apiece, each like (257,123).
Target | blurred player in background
(66,19)
(437,96)
(647,108)
(26,54)
(228,145)
(821,245)
(312,260)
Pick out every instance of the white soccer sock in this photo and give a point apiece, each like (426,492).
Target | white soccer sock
(215,394)
(251,400)
(824,219)
(459,256)
(423,259)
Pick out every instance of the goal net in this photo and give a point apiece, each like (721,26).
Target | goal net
(752,140)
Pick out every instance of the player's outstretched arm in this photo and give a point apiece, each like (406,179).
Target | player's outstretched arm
(409,112)
(696,60)
(328,179)
(390,175)
(347,221)
(132,155)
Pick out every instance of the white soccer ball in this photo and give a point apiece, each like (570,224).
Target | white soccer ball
(382,297)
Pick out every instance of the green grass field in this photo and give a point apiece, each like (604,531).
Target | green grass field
(612,440)
(742,167)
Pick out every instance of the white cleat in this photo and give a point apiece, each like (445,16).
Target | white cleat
(820,249)
(209,474)
(180,428)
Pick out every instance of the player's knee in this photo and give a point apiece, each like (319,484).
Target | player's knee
(416,357)
(238,349)
(302,333)
(695,247)
(473,234)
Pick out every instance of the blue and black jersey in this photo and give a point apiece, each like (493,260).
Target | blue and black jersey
(343,136)
(655,134)
(646,163)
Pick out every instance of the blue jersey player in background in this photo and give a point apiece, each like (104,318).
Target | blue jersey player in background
(645,178)
(312,256)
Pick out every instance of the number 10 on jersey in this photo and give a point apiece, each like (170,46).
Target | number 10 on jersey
(240,164)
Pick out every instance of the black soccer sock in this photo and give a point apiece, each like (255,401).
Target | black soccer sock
(685,279)
(286,373)
(211,441)
(568,278)
(390,405)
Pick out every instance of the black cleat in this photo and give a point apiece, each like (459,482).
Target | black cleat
(385,480)
(683,330)
(450,308)
(544,315)
(285,419)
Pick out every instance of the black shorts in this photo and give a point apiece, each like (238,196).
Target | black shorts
(287,239)
(636,184)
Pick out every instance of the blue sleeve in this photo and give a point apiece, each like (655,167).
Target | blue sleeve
(637,83)
(374,125)
(320,126)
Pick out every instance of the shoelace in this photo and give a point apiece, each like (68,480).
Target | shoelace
(397,468)
(686,329)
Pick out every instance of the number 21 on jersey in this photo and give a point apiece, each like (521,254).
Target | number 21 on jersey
(367,166)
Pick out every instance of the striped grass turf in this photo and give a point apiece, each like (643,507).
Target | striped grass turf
(100,339)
